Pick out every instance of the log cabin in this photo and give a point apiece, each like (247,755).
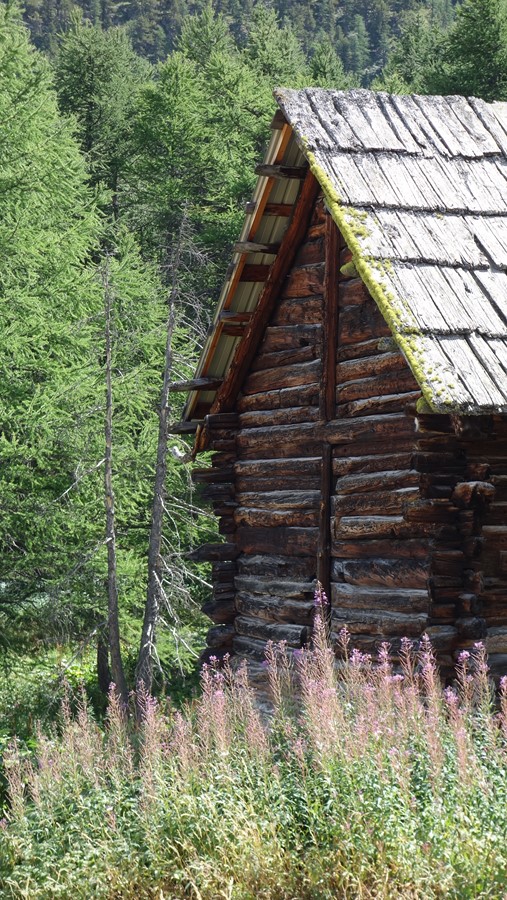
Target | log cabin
(353,386)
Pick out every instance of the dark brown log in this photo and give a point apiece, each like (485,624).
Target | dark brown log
(431,511)
(218,421)
(377,386)
(213,552)
(330,317)
(252,272)
(275,609)
(310,253)
(374,405)
(390,502)
(287,541)
(470,492)
(222,612)
(295,310)
(386,526)
(220,636)
(218,492)
(265,417)
(366,447)
(380,622)
(369,464)
(211,475)
(279,441)
(293,635)
(277,566)
(184,427)
(354,369)
(247,347)
(281,399)
(377,481)
(280,171)
(281,467)
(262,518)
(343,431)
(324,542)
(395,549)
(290,337)
(305,281)
(285,357)
(249,647)
(353,292)
(361,323)
(284,586)
(196,384)
(279,500)
(349,597)
(372,572)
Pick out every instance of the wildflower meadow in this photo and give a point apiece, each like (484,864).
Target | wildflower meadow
(367,780)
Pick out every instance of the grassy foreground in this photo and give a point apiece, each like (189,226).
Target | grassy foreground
(375,785)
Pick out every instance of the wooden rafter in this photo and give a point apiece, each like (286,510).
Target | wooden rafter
(246,349)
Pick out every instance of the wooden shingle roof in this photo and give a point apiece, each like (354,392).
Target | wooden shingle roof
(418,187)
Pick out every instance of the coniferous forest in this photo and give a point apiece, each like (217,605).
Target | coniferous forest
(129,136)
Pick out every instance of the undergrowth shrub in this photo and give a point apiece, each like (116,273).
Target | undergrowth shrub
(365,782)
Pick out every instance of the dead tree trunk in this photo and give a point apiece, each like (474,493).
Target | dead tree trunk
(117,671)
(154,593)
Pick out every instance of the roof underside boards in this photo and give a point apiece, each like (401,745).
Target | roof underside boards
(418,187)
(266,221)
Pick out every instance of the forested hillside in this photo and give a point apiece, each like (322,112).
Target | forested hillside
(362,33)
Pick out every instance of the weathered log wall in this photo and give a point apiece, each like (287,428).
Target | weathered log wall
(324,469)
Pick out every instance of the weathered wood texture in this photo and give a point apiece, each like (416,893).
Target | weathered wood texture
(324,469)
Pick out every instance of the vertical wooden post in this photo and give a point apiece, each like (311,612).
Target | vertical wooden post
(327,400)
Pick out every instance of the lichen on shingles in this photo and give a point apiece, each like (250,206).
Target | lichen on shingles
(377,275)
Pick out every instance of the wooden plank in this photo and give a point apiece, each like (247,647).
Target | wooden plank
(248,346)
(293,635)
(388,502)
(386,479)
(380,622)
(376,386)
(281,171)
(364,464)
(330,318)
(213,552)
(195,384)
(184,427)
(354,369)
(281,567)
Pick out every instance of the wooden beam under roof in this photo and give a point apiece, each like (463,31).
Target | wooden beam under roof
(245,352)
(195,384)
(280,171)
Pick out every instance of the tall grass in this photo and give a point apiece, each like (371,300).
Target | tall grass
(373,783)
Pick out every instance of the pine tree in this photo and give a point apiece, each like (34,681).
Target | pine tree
(474,57)
(326,67)
(274,49)
(98,76)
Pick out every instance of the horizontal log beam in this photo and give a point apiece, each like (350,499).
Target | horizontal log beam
(195,384)
(281,171)
(184,427)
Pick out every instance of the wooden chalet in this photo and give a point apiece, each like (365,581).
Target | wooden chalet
(353,386)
